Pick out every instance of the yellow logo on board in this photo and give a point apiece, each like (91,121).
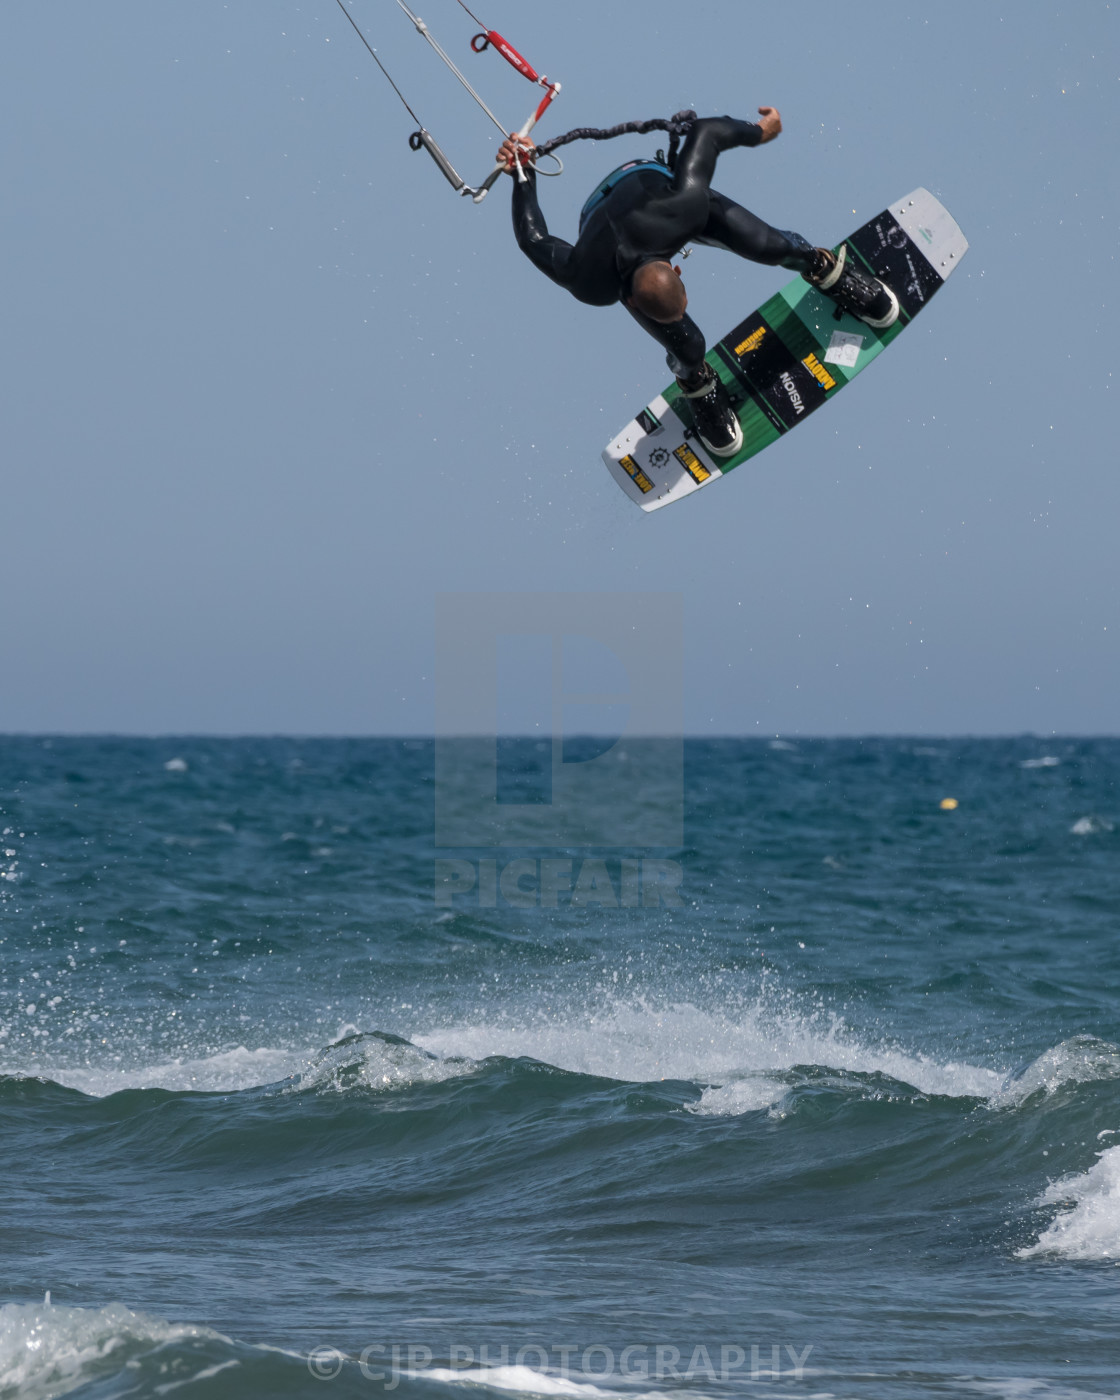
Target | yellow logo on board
(691,463)
(635,473)
(752,342)
(819,373)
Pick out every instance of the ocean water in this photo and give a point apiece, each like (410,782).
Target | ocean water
(838,1114)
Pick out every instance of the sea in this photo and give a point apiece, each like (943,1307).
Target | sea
(822,1101)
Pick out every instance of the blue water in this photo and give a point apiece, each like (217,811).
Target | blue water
(843,1119)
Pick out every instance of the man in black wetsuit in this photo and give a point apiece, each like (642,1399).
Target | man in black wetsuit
(644,216)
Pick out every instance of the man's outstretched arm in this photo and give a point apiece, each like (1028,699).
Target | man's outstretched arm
(553,256)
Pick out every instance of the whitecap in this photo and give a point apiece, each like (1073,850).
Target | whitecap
(738,1096)
(1090,826)
(1079,1060)
(225,1072)
(1089,1225)
(357,1061)
(377,1061)
(524,1380)
(1046,761)
(1031,1388)
(755,1046)
(47,1350)
(527,1380)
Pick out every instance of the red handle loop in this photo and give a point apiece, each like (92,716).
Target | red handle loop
(480,48)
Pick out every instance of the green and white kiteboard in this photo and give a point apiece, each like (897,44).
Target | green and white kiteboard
(795,353)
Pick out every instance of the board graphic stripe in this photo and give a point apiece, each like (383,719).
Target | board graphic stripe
(755,397)
(759,351)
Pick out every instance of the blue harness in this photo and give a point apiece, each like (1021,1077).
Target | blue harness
(604,187)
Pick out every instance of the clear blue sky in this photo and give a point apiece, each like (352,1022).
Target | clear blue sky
(269,386)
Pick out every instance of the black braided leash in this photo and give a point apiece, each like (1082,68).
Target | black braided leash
(678,125)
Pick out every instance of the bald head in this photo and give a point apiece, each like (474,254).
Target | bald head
(657,291)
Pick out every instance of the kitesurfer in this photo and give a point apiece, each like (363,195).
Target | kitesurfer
(641,217)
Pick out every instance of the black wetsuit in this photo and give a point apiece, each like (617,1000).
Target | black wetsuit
(648,217)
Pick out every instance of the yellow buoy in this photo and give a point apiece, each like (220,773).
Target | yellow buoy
(949,804)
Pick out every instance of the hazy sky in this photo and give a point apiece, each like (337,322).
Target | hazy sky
(270,387)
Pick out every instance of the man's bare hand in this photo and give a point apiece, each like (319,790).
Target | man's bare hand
(513,148)
(770,122)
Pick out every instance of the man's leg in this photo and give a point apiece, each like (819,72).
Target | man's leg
(736,229)
(715,420)
(683,339)
(732,227)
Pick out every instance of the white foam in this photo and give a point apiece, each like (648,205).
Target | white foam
(369,1062)
(747,1056)
(739,1096)
(364,1062)
(1079,1060)
(48,1350)
(222,1073)
(1030,1388)
(522,1379)
(1090,826)
(1046,761)
(1089,1227)
(743,1059)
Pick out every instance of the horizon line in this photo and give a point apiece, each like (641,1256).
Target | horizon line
(405,737)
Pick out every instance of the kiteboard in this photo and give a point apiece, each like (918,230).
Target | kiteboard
(795,353)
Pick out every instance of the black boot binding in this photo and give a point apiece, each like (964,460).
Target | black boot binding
(854,291)
(717,423)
